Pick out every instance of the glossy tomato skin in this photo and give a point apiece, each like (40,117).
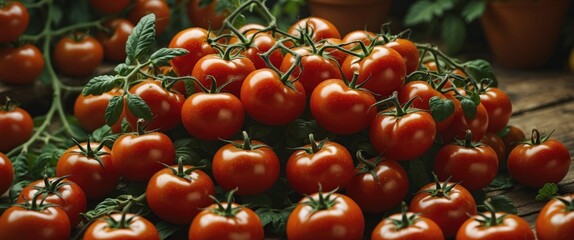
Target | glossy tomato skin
(195,41)
(535,165)
(498,107)
(158,7)
(331,166)
(319,27)
(114,43)
(136,157)
(176,199)
(208,116)
(262,42)
(139,229)
(555,220)
(358,35)
(496,143)
(6,173)
(72,201)
(20,65)
(16,123)
(316,68)
(14,19)
(341,109)
(423,92)
(96,180)
(233,70)
(110,6)
(252,171)
(514,137)
(90,110)
(343,220)
(460,123)
(408,51)
(511,228)
(165,105)
(209,225)
(422,229)
(51,223)
(269,101)
(78,56)
(205,16)
(379,196)
(449,213)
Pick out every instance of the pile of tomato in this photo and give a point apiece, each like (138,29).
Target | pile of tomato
(257,131)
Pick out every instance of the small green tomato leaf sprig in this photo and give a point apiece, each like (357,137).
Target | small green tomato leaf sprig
(324,201)
(228,210)
(90,152)
(138,49)
(406,220)
(247,143)
(398,110)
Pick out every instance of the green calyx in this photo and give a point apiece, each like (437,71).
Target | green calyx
(467,142)
(406,220)
(441,190)
(324,201)
(491,219)
(123,223)
(8,105)
(185,174)
(51,187)
(369,167)
(315,146)
(247,143)
(569,204)
(90,152)
(399,110)
(228,210)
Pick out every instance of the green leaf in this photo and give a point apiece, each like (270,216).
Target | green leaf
(480,69)
(78,11)
(277,218)
(468,107)
(453,33)
(100,84)
(501,182)
(204,3)
(57,15)
(20,165)
(101,133)
(140,41)
(441,108)
(162,56)
(106,206)
(473,10)
(122,69)
(502,203)
(184,151)
(424,11)
(17,188)
(114,110)
(548,191)
(166,229)
(138,107)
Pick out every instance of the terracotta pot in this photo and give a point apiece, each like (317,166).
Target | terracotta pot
(350,15)
(523,34)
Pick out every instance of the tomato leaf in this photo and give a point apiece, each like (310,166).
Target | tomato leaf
(138,107)
(114,110)
(473,10)
(500,182)
(184,151)
(166,229)
(468,107)
(100,84)
(548,191)
(162,56)
(77,11)
(107,206)
(141,39)
(17,188)
(424,11)
(502,203)
(480,69)
(441,108)
(20,165)
(274,220)
(453,33)
(122,69)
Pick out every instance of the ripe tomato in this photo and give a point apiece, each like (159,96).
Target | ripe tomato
(195,41)
(268,100)
(16,123)
(78,55)
(315,68)
(327,163)
(358,35)
(495,142)
(114,41)
(326,216)
(176,194)
(130,227)
(165,105)
(317,28)
(205,16)
(212,116)
(431,66)
(159,8)
(223,70)
(250,166)
(59,191)
(14,19)
(495,225)
(42,222)
(90,110)
(514,137)
(136,157)
(91,168)
(226,223)
(340,108)
(447,204)
(460,123)
(378,185)
(110,6)
(555,220)
(261,43)
(408,51)
(538,162)
(422,92)
(498,108)
(407,225)
(336,54)
(6,173)
(20,65)
(474,165)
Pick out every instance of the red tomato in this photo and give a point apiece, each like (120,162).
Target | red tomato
(231,72)
(137,157)
(460,123)
(78,55)
(136,228)
(495,142)
(316,68)
(378,185)
(90,110)
(333,53)
(498,108)
(326,216)
(159,8)
(20,65)
(114,41)
(250,166)
(423,92)
(261,42)
(317,28)
(415,227)
(408,51)
(177,194)
(500,226)
(205,16)
(358,35)
(538,162)
(226,223)
(555,220)
(447,204)
(6,173)
(268,100)
(61,192)
(165,105)
(110,6)
(14,19)
(514,137)
(328,164)
(91,168)
(212,116)
(16,123)
(46,223)
(195,41)
(340,108)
